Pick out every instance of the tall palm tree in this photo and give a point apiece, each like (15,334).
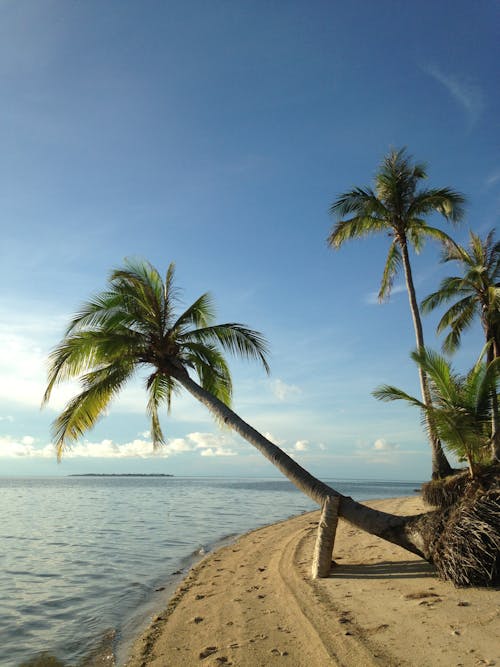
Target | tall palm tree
(398,209)
(476,293)
(133,326)
(461,405)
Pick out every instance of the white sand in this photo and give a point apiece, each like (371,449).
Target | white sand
(254,604)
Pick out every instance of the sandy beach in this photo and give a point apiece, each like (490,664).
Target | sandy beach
(253,604)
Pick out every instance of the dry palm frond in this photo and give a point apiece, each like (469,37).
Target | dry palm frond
(468,549)
(445,492)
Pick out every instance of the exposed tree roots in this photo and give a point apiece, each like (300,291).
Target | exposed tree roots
(463,536)
(450,490)
(468,548)
(445,492)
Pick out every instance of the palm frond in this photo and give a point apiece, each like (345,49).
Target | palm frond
(235,338)
(160,388)
(458,318)
(361,201)
(449,203)
(493,292)
(418,230)
(355,228)
(83,411)
(454,252)
(141,288)
(170,296)
(388,393)
(212,370)
(104,309)
(86,350)
(461,407)
(397,178)
(436,367)
(450,288)
(201,313)
(392,264)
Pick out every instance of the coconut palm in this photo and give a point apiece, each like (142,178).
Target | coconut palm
(461,405)
(133,326)
(476,294)
(398,208)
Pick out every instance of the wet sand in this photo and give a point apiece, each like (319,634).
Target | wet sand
(253,604)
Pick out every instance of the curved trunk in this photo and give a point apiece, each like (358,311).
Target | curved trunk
(399,530)
(440,464)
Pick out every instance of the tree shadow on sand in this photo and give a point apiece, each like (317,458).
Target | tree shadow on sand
(407,569)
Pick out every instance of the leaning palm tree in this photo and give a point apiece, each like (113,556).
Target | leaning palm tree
(133,326)
(398,208)
(461,404)
(476,294)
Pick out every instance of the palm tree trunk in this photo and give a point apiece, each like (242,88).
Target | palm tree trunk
(322,558)
(440,464)
(400,530)
(495,430)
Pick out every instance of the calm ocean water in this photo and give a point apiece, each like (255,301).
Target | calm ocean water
(81,558)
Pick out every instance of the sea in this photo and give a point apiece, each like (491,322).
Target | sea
(86,562)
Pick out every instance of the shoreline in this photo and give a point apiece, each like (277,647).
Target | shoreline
(252,602)
(164,595)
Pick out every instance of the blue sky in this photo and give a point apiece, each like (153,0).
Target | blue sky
(216,135)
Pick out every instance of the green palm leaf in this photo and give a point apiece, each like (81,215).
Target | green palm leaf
(477,290)
(392,264)
(83,411)
(462,405)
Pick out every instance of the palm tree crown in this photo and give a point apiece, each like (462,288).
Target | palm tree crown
(133,325)
(396,207)
(476,292)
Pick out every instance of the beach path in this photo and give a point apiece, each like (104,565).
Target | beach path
(253,604)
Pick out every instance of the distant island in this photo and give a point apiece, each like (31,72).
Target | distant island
(120,474)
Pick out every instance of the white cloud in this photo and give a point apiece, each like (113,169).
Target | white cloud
(283,391)
(178,445)
(493,178)
(23,448)
(202,440)
(467,94)
(379,452)
(210,444)
(7,418)
(24,350)
(372,297)
(206,444)
(272,438)
(219,451)
(301,446)
(381,445)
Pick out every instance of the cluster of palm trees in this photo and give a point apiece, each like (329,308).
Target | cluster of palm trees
(134,326)
(456,408)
